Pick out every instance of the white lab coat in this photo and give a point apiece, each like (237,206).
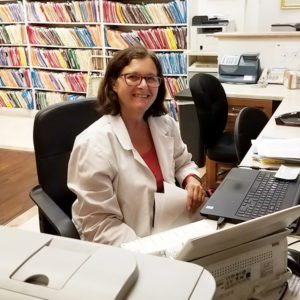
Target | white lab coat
(114,186)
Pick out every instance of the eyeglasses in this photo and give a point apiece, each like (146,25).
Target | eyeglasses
(133,79)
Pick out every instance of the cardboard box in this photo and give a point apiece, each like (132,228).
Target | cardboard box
(291,79)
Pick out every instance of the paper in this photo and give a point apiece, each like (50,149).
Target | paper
(169,243)
(170,209)
(279,148)
(293,292)
(287,173)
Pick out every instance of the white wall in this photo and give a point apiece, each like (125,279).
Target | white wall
(272,13)
(249,15)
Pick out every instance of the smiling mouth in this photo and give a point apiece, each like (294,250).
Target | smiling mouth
(141,96)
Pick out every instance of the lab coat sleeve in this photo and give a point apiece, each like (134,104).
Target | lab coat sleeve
(96,212)
(183,159)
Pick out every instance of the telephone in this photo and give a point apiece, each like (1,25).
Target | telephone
(272,75)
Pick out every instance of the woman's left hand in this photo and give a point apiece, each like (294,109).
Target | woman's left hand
(196,194)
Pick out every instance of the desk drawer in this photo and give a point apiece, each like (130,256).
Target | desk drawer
(236,104)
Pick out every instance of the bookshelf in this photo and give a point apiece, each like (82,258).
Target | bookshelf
(50,44)
(62,36)
(15,84)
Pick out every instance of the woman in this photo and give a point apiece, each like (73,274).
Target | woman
(121,160)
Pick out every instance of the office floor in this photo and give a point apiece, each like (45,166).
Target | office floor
(16,132)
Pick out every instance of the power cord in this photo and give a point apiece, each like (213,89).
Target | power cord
(221,222)
(295,242)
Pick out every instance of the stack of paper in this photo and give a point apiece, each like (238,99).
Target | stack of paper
(287,150)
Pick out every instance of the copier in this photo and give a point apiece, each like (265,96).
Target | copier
(40,266)
(202,32)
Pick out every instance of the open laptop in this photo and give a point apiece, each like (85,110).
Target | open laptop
(246,194)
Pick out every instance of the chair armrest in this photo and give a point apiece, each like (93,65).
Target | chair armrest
(60,221)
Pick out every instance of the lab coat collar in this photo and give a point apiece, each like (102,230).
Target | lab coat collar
(121,132)
(164,144)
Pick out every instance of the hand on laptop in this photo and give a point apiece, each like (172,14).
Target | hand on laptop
(196,194)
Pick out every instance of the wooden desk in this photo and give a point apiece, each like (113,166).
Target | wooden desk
(239,95)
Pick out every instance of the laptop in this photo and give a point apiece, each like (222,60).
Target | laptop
(245,194)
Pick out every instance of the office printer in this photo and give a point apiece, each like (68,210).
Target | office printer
(203,29)
(40,266)
(243,68)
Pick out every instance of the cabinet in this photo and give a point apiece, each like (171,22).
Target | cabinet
(50,44)
(236,104)
(201,62)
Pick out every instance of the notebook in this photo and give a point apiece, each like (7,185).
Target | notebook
(245,194)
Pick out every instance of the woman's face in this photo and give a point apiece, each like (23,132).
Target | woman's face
(136,97)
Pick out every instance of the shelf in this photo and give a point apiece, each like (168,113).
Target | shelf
(30,8)
(256,35)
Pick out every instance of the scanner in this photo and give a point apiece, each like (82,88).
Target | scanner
(206,20)
(289,119)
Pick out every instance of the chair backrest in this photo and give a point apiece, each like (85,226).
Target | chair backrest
(211,106)
(248,125)
(54,132)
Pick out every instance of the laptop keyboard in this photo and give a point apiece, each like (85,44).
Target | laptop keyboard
(264,197)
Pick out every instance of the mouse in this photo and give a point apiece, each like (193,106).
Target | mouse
(293,261)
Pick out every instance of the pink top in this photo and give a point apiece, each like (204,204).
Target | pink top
(152,162)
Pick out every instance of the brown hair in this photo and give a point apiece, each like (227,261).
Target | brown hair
(108,100)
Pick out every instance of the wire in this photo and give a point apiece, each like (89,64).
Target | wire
(284,291)
(292,243)
(220,222)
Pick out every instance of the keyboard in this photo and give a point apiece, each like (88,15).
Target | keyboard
(265,196)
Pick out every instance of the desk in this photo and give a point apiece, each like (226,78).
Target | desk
(267,98)
(291,102)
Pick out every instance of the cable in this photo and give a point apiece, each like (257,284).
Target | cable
(292,243)
(220,222)
(284,291)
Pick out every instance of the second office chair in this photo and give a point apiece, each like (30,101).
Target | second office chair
(248,125)
(212,111)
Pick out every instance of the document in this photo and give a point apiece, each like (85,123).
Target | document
(287,149)
(171,210)
(174,225)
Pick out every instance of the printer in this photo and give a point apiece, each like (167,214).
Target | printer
(41,266)
(243,68)
(202,32)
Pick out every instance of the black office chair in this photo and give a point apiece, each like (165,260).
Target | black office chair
(212,111)
(248,124)
(54,132)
